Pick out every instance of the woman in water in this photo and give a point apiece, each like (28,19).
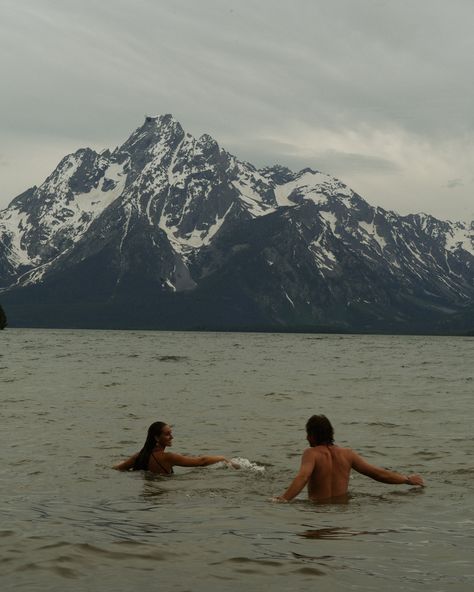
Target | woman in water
(152,457)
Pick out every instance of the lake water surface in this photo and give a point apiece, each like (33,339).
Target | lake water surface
(75,402)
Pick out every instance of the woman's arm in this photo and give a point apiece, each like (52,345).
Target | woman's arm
(181,460)
(126,465)
(383,475)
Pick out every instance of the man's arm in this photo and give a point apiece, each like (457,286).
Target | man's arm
(308,460)
(383,475)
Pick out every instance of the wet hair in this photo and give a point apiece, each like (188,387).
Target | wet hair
(154,432)
(320,428)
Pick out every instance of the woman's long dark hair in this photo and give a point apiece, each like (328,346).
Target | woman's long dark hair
(154,431)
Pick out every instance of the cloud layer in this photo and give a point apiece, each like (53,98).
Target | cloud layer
(377,93)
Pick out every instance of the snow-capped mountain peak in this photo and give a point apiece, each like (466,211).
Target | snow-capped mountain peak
(173,211)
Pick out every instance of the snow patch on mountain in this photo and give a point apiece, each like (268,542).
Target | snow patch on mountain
(183,244)
(12,227)
(310,185)
(372,232)
(330,219)
(96,200)
(323,256)
(459,237)
(251,198)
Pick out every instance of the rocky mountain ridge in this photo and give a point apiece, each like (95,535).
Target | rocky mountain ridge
(181,234)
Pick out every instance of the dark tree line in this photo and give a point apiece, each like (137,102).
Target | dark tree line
(3,318)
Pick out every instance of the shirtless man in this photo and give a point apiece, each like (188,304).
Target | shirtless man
(326,467)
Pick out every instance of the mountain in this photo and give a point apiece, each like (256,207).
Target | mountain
(172,232)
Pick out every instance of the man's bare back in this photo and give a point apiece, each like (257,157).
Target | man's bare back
(331,468)
(326,468)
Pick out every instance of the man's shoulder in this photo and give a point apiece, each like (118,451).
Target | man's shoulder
(344,450)
(324,449)
(337,450)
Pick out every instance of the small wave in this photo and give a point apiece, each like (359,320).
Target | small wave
(383,424)
(250,560)
(248,465)
(278,396)
(6,533)
(341,533)
(428,454)
(310,571)
(462,471)
(244,464)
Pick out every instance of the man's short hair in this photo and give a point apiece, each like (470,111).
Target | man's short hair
(320,428)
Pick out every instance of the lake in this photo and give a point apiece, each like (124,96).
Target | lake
(74,402)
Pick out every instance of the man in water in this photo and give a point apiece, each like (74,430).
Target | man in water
(326,467)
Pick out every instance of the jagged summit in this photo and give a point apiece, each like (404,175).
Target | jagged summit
(201,238)
(308,170)
(154,130)
(160,121)
(162,124)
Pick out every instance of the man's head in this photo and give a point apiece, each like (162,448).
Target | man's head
(319,430)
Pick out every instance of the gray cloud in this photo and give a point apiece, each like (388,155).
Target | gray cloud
(453,183)
(350,162)
(355,86)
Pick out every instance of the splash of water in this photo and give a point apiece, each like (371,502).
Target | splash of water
(248,465)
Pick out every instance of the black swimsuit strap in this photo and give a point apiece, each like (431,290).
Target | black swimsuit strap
(161,466)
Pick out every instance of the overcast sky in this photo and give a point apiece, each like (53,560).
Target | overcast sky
(378,93)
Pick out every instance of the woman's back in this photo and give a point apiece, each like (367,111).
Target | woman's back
(157,463)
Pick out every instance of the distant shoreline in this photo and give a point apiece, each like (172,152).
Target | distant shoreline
(307,330)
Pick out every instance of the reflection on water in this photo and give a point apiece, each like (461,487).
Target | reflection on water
(75,402)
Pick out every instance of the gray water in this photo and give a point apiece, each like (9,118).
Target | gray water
(75,402)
